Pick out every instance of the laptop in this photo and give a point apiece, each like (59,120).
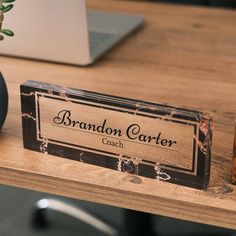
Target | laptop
(64,31)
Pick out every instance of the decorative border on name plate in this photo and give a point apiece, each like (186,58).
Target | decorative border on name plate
(115,155)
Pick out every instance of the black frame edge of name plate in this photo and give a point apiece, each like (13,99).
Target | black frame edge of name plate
(146,168)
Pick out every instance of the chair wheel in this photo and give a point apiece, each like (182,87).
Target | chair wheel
(39,219)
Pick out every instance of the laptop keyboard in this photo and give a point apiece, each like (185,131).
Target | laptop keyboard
(96,39)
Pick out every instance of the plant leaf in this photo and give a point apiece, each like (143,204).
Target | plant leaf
(7,8)
(7,32)
(1,37)
(8,1)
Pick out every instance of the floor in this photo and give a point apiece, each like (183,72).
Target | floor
(16,208)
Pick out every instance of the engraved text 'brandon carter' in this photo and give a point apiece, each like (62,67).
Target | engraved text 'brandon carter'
(133,131)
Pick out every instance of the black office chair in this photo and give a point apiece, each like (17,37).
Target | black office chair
(135,223)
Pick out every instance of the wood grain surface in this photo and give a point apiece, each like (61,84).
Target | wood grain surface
(183,56)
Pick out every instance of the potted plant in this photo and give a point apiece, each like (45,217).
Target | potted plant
(3,100)
(5,6)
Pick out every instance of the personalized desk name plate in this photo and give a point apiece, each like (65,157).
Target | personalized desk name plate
(142,138)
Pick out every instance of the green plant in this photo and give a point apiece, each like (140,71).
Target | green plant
(5,6)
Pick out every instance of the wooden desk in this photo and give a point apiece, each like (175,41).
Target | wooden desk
(184,56)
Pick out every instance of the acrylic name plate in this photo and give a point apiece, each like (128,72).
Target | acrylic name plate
(142,138)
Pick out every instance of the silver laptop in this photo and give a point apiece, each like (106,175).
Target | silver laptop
(63,31)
